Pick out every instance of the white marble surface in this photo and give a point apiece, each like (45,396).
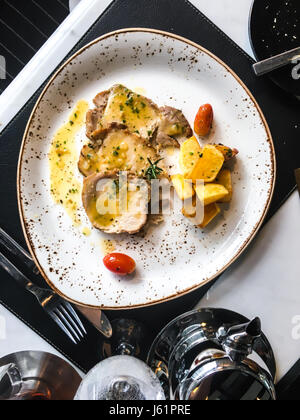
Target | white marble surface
(231,16)
(15,336)
(265,281)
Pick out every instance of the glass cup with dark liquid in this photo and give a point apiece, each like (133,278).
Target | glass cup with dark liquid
(37,376)
(14,388)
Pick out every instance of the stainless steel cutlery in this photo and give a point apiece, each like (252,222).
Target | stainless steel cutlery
(57,308)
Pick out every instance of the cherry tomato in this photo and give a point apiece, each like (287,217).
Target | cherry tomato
(204,120)
(120,264)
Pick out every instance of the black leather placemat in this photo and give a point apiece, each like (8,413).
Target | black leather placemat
(282,113)
(288,388)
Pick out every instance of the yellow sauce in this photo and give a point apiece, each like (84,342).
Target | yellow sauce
(133,110)
(110,204)
(170,151)
(63,157)
(140,91)
(104,207)
(86,231)
(125,152)
(107,246)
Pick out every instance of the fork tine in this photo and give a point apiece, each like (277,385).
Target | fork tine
(67,324)
(62,326)
(71,310)
(70,319)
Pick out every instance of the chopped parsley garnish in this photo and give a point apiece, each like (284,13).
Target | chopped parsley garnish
(129,102)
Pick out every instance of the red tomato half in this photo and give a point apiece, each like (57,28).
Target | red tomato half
(120,264)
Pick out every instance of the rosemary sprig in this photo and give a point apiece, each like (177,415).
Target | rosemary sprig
(153,171)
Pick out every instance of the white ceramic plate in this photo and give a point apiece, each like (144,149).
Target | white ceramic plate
(175,257)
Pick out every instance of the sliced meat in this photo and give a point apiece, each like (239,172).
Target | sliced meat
(115,204)
(94,116)
(173,124)
(117,148)
(123,106)
(141,116)
(102,98)
(93,122)
(163,140)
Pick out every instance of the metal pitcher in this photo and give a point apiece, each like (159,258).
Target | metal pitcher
(214,354)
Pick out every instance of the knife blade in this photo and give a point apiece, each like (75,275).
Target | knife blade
(276,62)
(96,317)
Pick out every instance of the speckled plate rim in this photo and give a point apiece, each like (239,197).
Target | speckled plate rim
(245,244)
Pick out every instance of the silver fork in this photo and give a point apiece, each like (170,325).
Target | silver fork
(59,310)
(100,322)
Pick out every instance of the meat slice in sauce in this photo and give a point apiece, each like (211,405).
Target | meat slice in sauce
(93,122)
(123,106)
(116,205)
(173,126)
(101,99)
(116,148)
(142,116)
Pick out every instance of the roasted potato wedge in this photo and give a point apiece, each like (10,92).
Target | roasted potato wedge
(224,178)
(183,187)
(190,207)
(208,166)
(190,152)
(211,193)
(210,212)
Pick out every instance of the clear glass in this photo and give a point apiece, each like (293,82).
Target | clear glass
(120,378)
